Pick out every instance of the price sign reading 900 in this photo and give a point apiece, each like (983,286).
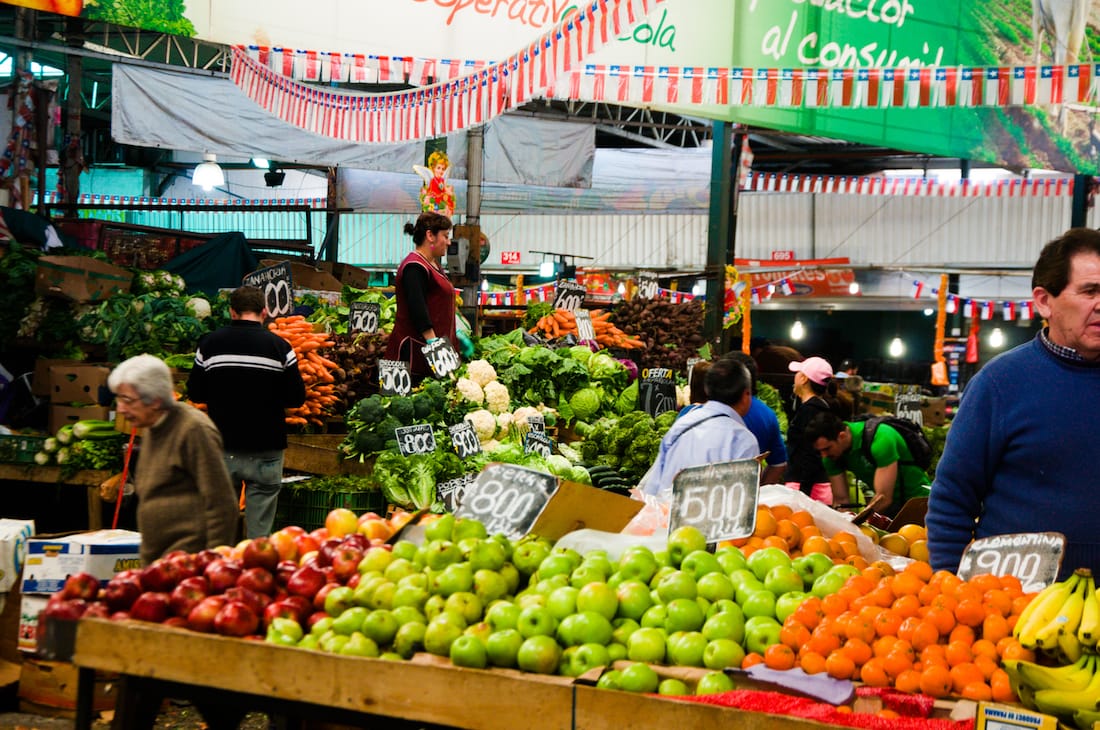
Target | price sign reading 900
(1033,557)
(274,282)
(507,499)
(363,317)
(394,377)
(718,499)
(569,295)
(464,439)
(418,439)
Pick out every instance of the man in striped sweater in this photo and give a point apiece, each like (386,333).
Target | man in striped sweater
(247,376)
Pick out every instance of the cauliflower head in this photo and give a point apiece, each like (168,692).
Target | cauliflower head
(496,397)
(484,423)
(519,417)
(470,390)
(481,372)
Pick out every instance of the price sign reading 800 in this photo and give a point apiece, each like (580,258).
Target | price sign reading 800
(364,316)
(507,499)
(274,282)
(1035,558)
(569,295)
(718,499)
(394,377)
(419,439)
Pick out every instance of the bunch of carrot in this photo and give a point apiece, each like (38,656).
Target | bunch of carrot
(316,369)
(562,322)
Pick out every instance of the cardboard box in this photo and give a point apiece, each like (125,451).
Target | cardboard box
(350,275)
(304,276)
(13,550)
(77,383)
(102,553)
(53,684)
(67,415)
(80,278)
(934,411)
(10,618)
(27,633)
(40,381)
(575,506)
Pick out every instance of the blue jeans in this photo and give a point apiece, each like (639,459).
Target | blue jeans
(262,474)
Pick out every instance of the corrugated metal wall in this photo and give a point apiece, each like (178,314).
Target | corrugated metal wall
(869,230)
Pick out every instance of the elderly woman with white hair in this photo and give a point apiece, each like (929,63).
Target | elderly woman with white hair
(185,497)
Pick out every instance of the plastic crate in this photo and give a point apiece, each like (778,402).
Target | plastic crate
(371,500)
(19,448)
(308,508)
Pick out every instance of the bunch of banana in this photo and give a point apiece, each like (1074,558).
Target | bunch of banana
(1064,619)
(1060,691)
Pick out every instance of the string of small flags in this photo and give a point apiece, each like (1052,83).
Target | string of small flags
(676,296)
(765,292)
(53,197)
(510,297)
(1046,187)
(1011,309)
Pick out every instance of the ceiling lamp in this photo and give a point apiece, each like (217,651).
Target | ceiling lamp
(797,330)
(208,174)
(274,177)
(897,347)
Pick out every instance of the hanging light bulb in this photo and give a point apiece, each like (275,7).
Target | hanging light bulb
(261,163)
(853,288)
(700,287)
(797,330)
(996,338)
(928,312)
(897,347)
(208,174)
(621,289)
(484,285)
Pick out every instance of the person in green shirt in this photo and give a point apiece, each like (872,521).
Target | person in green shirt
(891,470)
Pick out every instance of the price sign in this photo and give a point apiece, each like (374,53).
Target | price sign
(719,499)
(537,423)
(691,366)
(537,442)
(418,439)
(569,295)
(441,357)
(452,490)
(274,282)
(646,286)
(1033,557)
(364,317)
(907,404)
(394,377)
(656,391)
(585,331)
(508,498)
(464,439)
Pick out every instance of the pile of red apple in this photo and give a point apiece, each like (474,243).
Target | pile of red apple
(234,591)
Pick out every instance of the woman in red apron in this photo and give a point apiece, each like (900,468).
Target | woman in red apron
(425,296)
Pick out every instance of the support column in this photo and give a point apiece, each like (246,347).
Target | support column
(722,224)
(72,152)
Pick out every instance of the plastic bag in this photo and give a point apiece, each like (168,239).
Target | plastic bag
(827,519)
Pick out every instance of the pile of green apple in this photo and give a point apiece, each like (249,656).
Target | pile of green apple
(487,601)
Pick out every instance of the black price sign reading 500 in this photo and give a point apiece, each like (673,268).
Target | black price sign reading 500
(646,284)
(507,499)
(719,499)
(363,317)
(394,377)
(274,282)
(418,439)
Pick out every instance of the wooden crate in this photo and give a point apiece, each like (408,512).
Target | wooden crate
(318,454)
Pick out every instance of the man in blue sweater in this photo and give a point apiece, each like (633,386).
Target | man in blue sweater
(1019,453)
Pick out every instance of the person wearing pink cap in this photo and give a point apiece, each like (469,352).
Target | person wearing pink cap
(815,388)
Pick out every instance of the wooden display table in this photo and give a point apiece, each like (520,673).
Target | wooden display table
(52,475)
(319,454)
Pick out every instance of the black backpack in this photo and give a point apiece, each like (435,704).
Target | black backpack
(913,434)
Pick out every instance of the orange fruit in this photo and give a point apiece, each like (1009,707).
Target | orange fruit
(781,511)
(776,541)
(912,532)
(802,518)
(834,604)
(1012,584)
(816,544)
(965,674)
(779,656)
(792,634)
(897,662)
(809,613)
(765,523)
(906,606)
(986,648)
(811,662)
(858,650)
(790,532)
(860,628)
(958,652)
(908,681)
(978,691)
(935,681)
(887,623)
(970,612)
(1001,687)
(906,584)
(920,569)
(995,627)
(998,600)
(751,659)
(874,673)
(985,582)
(839,665)
(987,665)
(822,642)
(962,633)
(883,645)
(942,619)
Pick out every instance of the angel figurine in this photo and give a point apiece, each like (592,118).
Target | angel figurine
(436,194)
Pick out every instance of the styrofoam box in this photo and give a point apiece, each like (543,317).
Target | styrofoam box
(13,550)
(102,553)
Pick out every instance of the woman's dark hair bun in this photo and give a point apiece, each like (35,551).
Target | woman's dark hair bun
(409,228)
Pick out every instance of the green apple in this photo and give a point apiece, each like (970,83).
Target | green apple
(655,616)
(350,621)
(502,615)
(616,651)
(611,679)
(441,528)
(310,641)
(466,527)
(505,542)
(782,579)
(536,621)
(487,555)
(634,598)
(664,560)
(489,585)
(530,599)
(646,645)
(638,563)
(598,559)
(382,595)
(511,577)
(562,601)
(684,614)
(529,553)
(321,626)
(759,603)
(397,568)
(622,628)
(685,648)
(639,677)
(678,584)
(722,653)
(405,550)
(408,614)
(747,587)
(434,606)
(539,654)
(730,558)
(455,578)
(409,639)
(811,567)
(546,586)
(574,557)
(438,554)
(482,630)
(338,600)
(390,656)
(766,558)
(380,626)
(715,587)
(723,605)
(359,645)
(465,604)
(833,580)
(586,627)
(377,558)
(726,625)
(440,633)
(658,576)
(699,563)
(555,564)
(586,573)
(598,597)
(333,642)
(713,683)
(684,540)
(760,636)
(672,688)
(788,603)
(586,657)
(502,647)
(409,595)
(468,651)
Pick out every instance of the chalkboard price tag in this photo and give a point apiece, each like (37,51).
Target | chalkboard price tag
(646,285)
(507,498)
(569,295)
(1033,557)
(719,499)
(656,391)
(585,330)
(394,377)
(451,491)
(364,317)
(537,442)
(418,439)
(274,282)
(464,439)
(537,423)
(907,404)
(441,357)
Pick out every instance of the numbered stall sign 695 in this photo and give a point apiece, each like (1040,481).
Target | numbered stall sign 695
(363,317)
(441,357)
(464,439)
(719,499)
(394,377)
(418,439)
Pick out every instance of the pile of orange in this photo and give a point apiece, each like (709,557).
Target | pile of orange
(916,631)
(796,533)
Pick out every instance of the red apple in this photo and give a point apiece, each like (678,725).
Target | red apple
(320,535)
(64,609)
(178,622)
(314,618)
(306,581)
(223,574)
(328,547)
(252,599)
(259,580)
(300,604)
(98,609)
(306,544)
(151,606)
(356,540)
(284,545)
(120,616)
(187,563)
(202,615)
(345,562)
(283,571)
(236,619)
(353,581)
(81,585)
(122,590)
(341,521)
(279,609)
(260,552)
(161,576)
(204,558)
(187,595)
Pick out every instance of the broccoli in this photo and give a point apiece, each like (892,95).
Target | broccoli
(369,410)
(611,460)
(590,452)
(387,427)
(368,442)
(402,409)
(664,421)
(423,406)
(641,454)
